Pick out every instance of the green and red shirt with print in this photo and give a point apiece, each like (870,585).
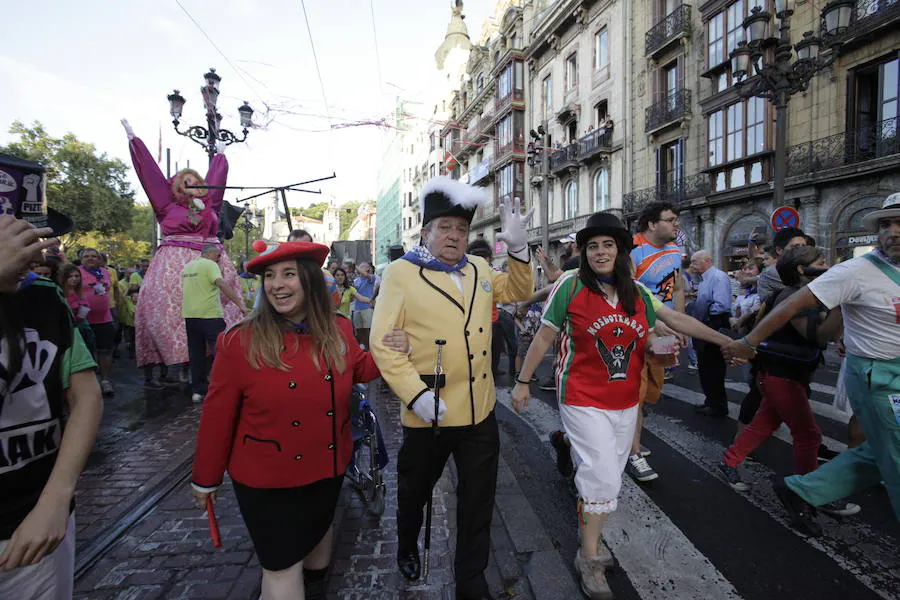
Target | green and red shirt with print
(601,351)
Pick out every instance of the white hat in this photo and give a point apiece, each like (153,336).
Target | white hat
(569,239)
(890,208)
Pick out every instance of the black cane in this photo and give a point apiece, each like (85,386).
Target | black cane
(438,371)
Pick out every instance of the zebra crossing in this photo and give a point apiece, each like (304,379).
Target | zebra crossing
(668,555)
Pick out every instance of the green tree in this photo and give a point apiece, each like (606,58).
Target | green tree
(91,188)
(348,215)
(315,211)
(143,220)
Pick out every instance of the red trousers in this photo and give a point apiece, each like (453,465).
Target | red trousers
(783,401)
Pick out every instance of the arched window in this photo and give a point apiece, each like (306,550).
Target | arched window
(601,190)
(571,202)
(550,208)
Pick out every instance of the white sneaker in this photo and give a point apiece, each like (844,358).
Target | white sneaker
(197,398)
(106,388)
(638,469)
(840,509)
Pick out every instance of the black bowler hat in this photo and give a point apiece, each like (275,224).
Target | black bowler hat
(445,197)
(604,223)
(22,184)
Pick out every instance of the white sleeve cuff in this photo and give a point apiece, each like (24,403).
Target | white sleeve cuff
(523,254)
(204,490)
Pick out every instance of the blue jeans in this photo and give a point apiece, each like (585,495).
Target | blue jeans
(869,383)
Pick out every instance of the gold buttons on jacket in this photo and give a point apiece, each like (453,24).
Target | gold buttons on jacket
(296,423)
(298,457)
(331,446)
(292,384)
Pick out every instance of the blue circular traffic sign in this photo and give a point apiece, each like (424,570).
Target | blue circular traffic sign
(785,217)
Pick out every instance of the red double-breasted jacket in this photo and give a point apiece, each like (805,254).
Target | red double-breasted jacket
(275,429)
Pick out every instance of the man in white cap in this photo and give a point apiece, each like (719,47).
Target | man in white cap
(438,292)
(867,289)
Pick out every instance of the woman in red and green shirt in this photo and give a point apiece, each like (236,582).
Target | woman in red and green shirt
(604,320)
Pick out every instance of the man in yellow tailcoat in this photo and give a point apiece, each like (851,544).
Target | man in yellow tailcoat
(433,292)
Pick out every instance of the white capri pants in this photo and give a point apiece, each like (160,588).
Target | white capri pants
(601,442)
(52,578)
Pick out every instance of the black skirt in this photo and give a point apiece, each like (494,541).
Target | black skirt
(285,524)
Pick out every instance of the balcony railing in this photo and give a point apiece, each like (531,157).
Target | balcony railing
(599,140)
(564,158)
(851,147)
(676,24)
(673,107)
(514,96)
(515,147)
(485,125)
(685,189)
(872,14)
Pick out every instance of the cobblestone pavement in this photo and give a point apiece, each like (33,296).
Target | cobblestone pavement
(146,443)
(524,563)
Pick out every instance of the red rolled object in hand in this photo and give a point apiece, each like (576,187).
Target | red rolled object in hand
(213,525)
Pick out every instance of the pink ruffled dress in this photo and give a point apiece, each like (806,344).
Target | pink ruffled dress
(159,327)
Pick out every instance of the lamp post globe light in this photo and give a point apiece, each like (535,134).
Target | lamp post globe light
(212,134)
(764,65)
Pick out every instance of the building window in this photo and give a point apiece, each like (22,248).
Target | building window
(874,108)
(510,132)
(570,207)
(430,142)
(431,170)
(511,182)
(547,96)
(737,135)
(601,49)
(670,165)
(601,190)
(480,82)
(512,77)
(716,40)
(516,41)
(716,133)
(572,72)
(601,111)
(550,210)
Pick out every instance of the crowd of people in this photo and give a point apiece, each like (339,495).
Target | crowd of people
(435,326)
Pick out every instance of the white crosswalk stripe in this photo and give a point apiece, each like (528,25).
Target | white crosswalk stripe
(659,558)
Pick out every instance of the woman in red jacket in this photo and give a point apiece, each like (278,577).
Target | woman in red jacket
(277,416)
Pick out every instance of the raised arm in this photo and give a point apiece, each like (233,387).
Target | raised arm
(217,175)
(151,177)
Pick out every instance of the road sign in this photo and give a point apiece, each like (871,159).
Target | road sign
(784,217)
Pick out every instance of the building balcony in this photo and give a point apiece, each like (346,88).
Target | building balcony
(677,193)
(559,229)
(480,173)
(672,28)
(879,140)
(514,97)
(670,110)
(515,148)
(564,158)
(486,125)
(595,144)
(869,17)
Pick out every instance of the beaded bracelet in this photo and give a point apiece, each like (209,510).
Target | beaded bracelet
(744,339)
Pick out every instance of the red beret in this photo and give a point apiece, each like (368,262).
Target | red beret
(289,251)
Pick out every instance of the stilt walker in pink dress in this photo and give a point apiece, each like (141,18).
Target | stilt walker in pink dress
(189,219)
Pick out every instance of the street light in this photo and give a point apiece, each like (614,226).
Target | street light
(211,134)
(247,224)
(778,79)
(537,155)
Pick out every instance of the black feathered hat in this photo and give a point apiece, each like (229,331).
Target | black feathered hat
(445,197)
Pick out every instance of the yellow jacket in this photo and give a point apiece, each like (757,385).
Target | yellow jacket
(428,305)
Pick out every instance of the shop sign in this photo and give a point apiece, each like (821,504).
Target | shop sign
(857,240)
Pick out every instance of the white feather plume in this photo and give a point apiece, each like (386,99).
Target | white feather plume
(460,194)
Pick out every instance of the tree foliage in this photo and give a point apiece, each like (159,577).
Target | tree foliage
(314,211)
(143,221)
(88,186)
(348,214)
(122,249)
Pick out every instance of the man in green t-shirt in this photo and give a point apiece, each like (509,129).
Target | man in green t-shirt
(201,308)
(137,278)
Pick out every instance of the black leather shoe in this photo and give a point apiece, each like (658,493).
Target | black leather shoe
(409,565)
(712,411)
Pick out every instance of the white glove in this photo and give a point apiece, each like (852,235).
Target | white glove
(220,147)
(128,130)
(424,407)
(512,226)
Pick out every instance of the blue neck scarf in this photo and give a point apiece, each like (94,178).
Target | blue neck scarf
(420,256)
(301,328)
(611,280)
(98,273)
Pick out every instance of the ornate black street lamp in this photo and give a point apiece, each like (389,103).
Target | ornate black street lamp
(764,65)
(247,223)
(211,134)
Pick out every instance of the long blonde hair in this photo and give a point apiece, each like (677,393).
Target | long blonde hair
(264,327)
(178,181)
